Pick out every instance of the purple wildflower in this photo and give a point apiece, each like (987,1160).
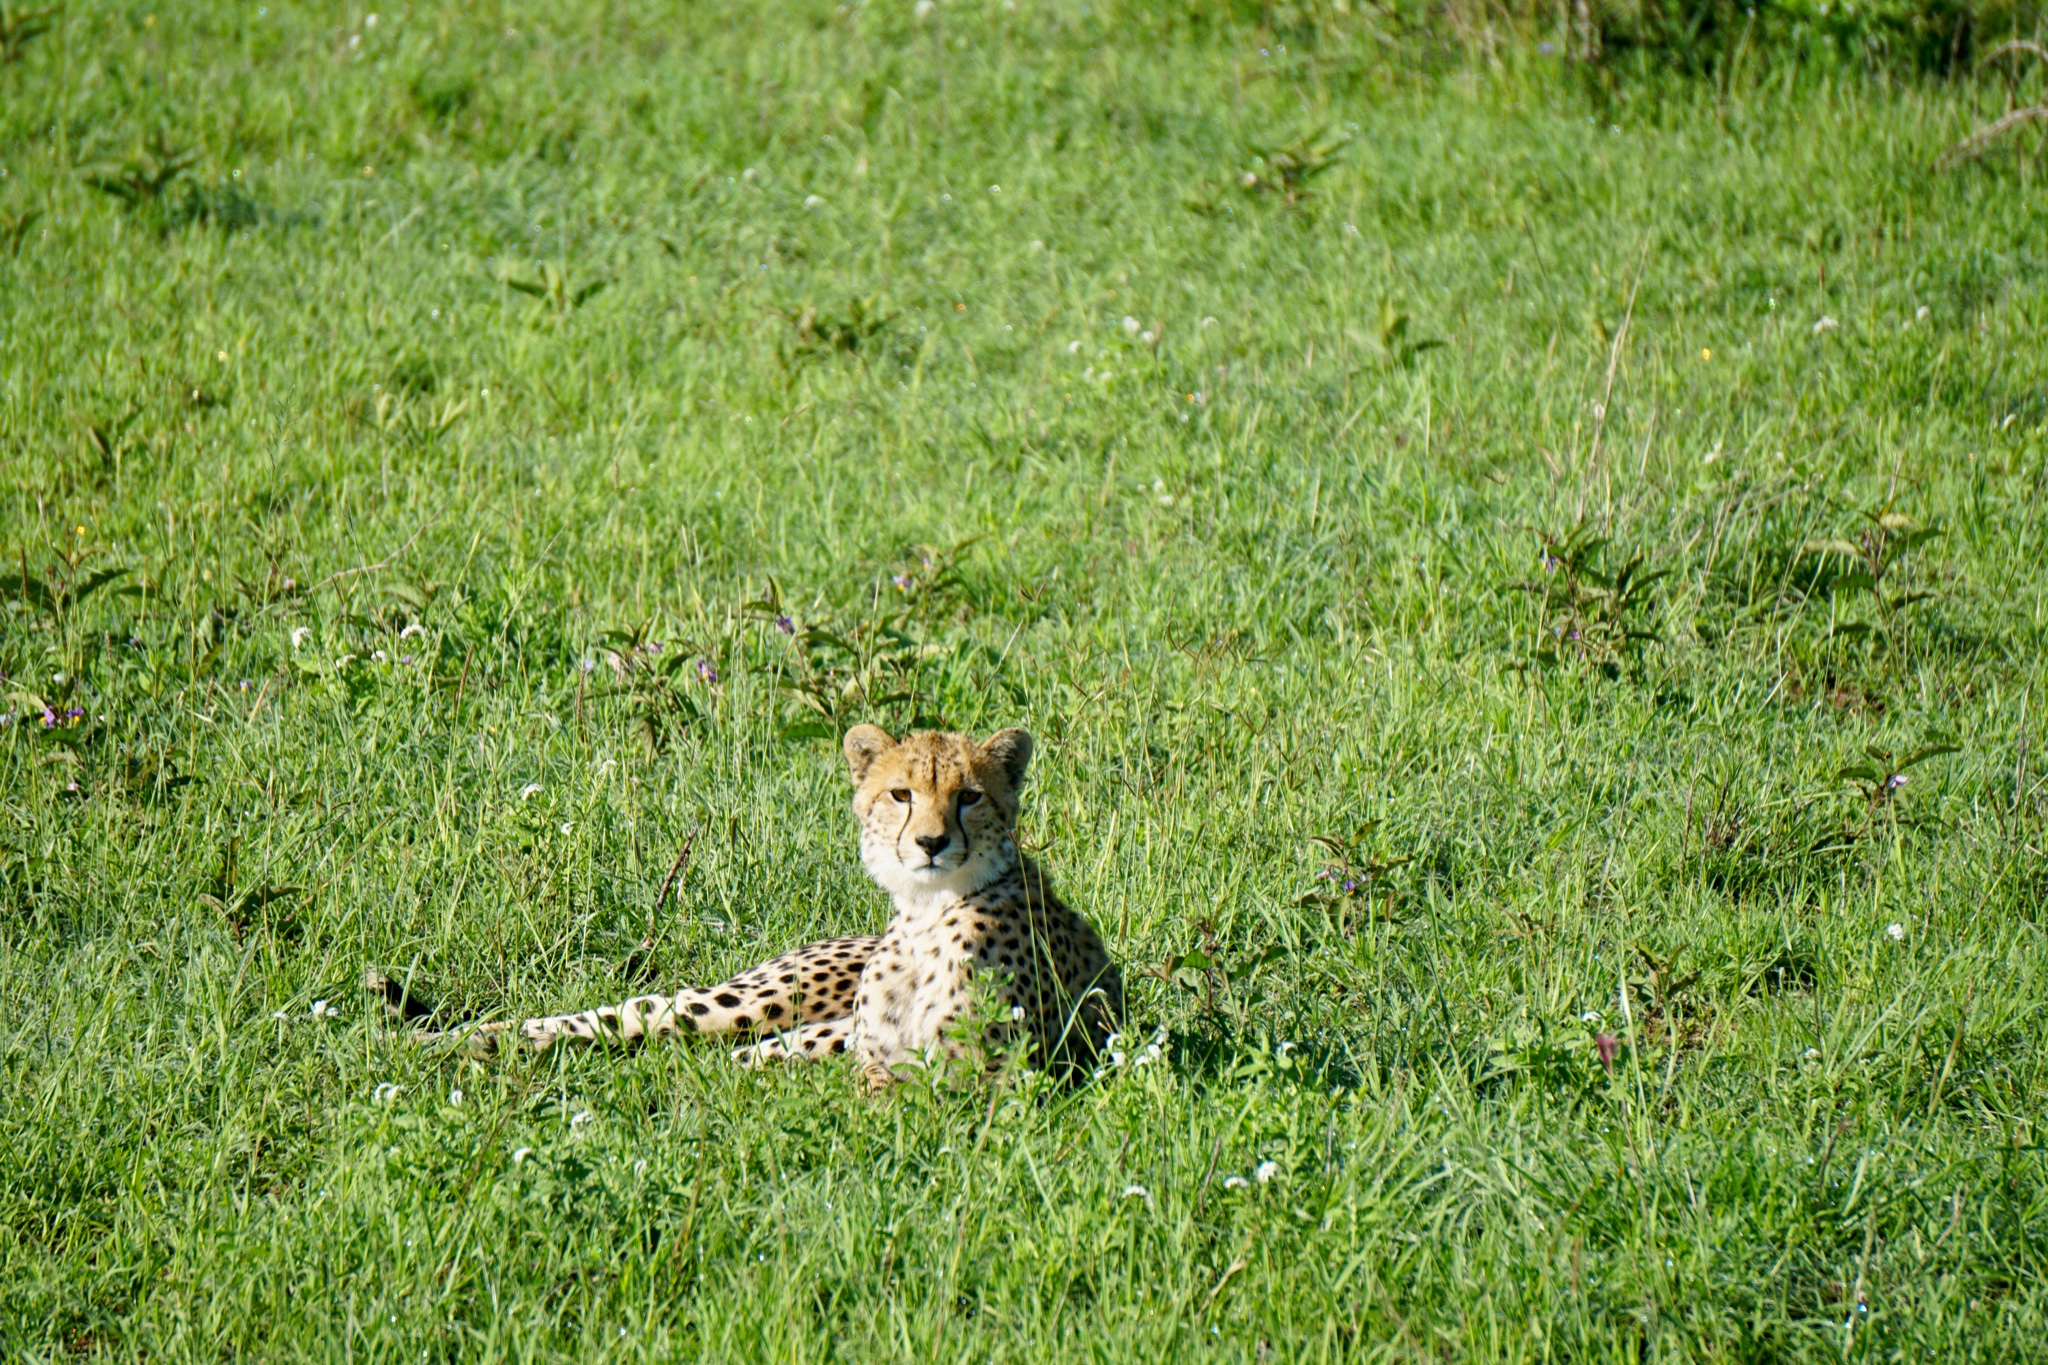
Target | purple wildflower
(651,647)
(1551,563)
(902,582)
(1897,780)
(243,685)
(707,671)
(75,712)
(1607,1045)
(785,625)
(1350,886)
(1546,48)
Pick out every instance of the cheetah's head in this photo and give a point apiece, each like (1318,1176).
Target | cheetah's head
(937,812)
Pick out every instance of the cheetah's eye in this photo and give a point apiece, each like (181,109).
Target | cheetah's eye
(900,796)
(968,796)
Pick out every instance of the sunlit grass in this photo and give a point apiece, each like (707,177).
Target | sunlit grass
(1513,587)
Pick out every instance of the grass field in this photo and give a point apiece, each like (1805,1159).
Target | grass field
(1609,513)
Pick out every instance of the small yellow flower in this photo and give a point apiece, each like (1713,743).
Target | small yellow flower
(1706,353)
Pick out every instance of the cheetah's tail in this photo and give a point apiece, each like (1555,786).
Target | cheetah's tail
(812,983)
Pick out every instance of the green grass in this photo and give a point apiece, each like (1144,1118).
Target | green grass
(1279,572)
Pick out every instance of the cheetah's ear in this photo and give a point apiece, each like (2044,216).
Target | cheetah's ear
(863,745)
(1012,749)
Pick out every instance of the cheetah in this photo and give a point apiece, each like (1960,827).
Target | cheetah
(938,820)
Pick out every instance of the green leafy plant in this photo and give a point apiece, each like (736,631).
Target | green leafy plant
(1389,338)
(58,592)
(1589,613)
(1351,886)
(552,290)
(141,180)
(254,904)
(814,334)
(1287,171)
(1882,772)
(655,677)
(416,419)
(1871,559)
(1219,980)
(1283,173)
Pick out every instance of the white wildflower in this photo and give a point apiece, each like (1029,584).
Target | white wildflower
(301,634)
(1131,324)
(387,1092)
(519,1157)
(1590,1017)
(1016,1013)
(1267,1170)
(281,1014)
(580,1118)
(323,1010)
(924,9)
(1812,1054)
(1897,931)
(1236,1182)
(812,201)
(1137,1192)
(529,791)
(1826,324)
(1073,348)
(1920,313)
(568,825)
(455,1096)
(410,631)
(379,656)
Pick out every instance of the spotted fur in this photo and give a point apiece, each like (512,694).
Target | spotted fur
(938,817)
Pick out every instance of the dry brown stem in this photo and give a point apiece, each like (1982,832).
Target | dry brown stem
(1975,144)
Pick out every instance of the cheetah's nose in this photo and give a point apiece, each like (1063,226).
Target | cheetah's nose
(933,844)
